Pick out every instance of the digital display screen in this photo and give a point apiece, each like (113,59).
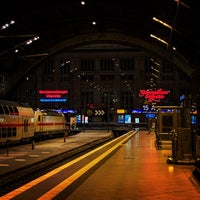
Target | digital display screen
(127,119)
(120,118)
(53,100)
(150,115)
(78,118)
(193,119)
(137,120)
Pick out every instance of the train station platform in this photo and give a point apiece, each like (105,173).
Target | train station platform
(139,171)
(17,157)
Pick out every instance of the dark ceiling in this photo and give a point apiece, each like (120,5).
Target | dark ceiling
(54,21)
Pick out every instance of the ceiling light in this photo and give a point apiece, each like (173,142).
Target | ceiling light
(12,22)
(7,24)
(182,3)
(159,39)
(29,42)
(163,23)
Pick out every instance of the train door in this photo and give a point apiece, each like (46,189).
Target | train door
(25,129)
(40,123)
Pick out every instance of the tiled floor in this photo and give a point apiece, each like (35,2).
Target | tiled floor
(139,171)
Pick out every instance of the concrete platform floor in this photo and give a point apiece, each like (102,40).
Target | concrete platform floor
(138,171)
(20,156)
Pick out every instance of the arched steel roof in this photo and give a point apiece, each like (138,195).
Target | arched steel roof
(66,24)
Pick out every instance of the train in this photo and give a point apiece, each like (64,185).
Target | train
(21,123)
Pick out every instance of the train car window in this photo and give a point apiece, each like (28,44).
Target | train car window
(6,109)
(11,110)
(16,110)
(14,132)
(39,118)
(3,132)
(1,109)
(9,132)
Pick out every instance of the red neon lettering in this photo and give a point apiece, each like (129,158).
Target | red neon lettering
(53,92)
(155,96)
(53,96)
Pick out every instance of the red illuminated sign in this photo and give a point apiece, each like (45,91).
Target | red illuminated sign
(53,95)
(153,95)
(53,92)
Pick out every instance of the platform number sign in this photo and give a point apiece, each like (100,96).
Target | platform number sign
(149,109)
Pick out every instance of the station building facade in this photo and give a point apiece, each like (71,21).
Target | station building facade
(102,79)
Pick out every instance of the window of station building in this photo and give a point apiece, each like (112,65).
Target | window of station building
(185,91)
(127,77)
(64,78)
(107,64)
(64,66)
(107,98)
(49,67)
(48,78)
(126,99)
(184,77)
(87,64)
(167,68)
(87,78)
(107,77)
(2,78)
(147,78)
(127,64)
(86,98)
(148,66)
(168,77)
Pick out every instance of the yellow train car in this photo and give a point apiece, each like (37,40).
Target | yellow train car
(16,122)
(49,123)
(19,123)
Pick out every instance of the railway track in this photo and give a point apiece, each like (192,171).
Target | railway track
(19,177)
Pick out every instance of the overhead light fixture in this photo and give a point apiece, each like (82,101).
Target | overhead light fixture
(159,39)
(163,23)
(29,42)
(182,3)
(162,41)
(5,26)
(21,45)
(33,39)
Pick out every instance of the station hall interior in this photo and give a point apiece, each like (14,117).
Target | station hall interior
(95,57)
(100,56)
(114,65)
(120,34)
